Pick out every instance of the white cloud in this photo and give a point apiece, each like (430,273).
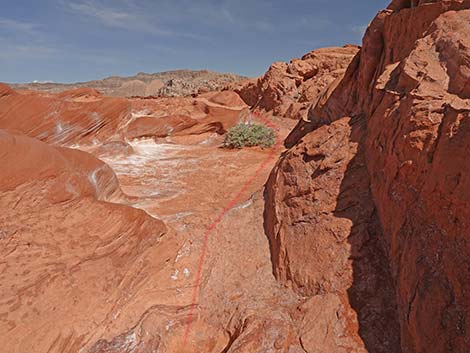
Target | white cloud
(124,18)
(108,16)
(23,40)
(313,23)
(18,26)
(128,15)
(26,51)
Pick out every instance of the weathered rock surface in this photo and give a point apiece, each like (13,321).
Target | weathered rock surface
(377,179)
(185,119)
(325,242)
(288,89)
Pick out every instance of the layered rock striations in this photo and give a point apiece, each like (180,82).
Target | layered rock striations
(84,116)
(73,255)
(80,115)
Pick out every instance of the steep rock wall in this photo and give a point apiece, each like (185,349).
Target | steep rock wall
(408,89)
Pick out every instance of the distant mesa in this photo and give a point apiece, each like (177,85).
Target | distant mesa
(175,83)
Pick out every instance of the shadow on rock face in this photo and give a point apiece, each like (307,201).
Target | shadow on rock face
(371,294)
(326,243)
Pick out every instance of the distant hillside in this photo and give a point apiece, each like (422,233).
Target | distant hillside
(168,83)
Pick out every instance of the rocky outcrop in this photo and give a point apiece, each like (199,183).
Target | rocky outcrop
(288,89)
(326,241)
(209,113)
(226,98)
(380,172)
(166,84)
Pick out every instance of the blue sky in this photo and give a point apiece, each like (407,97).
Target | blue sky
(80,40)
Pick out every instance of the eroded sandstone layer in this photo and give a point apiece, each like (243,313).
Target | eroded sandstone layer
(289,89)
(370,206)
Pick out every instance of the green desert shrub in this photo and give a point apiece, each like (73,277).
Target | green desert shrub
(249,135)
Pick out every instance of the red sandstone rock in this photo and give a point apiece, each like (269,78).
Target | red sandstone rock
(366,214)
(181,117)
(388,144)
(319,212)
(158,127)
(68,253)
(288,89)
(5,90)
(84,116)
(87,270)
(227,98)
(70,117)
(80,93)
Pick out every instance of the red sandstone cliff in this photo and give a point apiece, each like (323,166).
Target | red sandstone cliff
(289,89)
(369,209)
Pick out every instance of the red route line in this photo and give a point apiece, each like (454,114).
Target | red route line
(219,218)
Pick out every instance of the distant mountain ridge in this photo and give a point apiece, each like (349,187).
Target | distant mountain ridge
(168,83)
